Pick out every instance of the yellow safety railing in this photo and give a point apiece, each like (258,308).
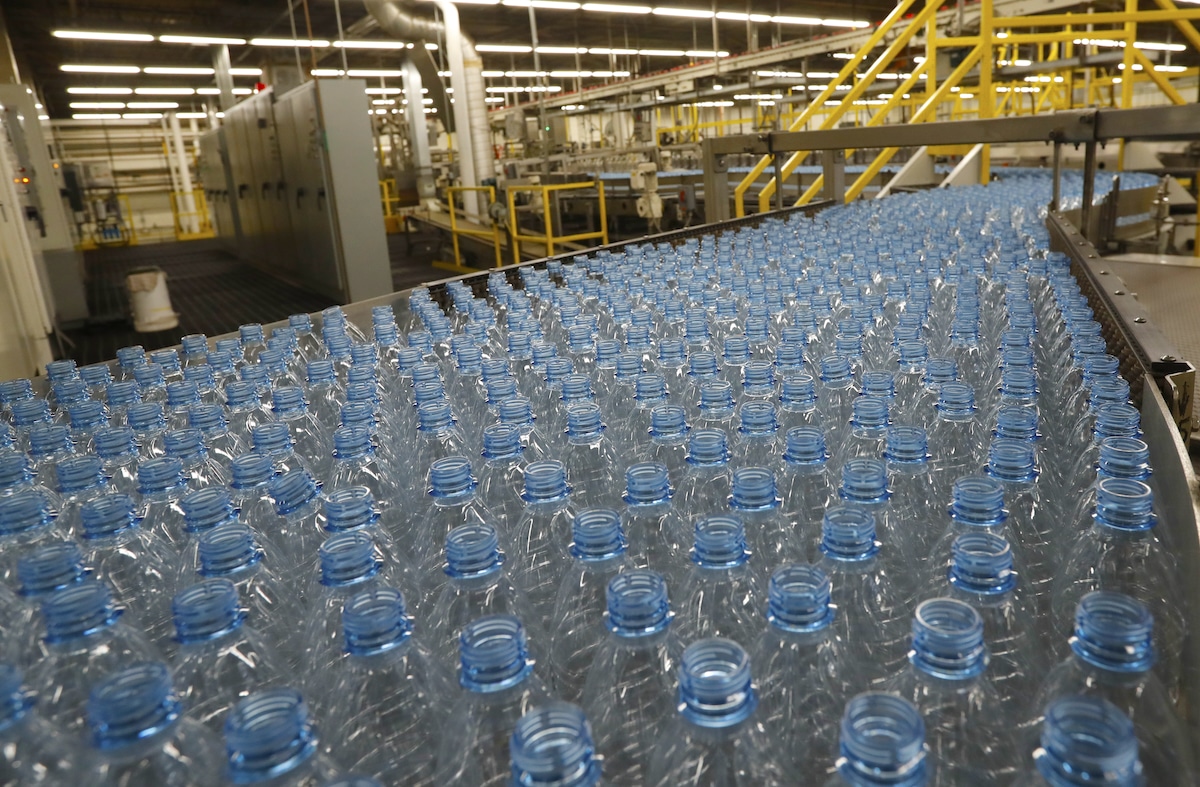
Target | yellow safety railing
(549,238)
(121,233)
(192,221)
(387,194)
(491,233)
(996,44)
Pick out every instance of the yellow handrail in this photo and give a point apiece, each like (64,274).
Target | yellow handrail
(847,71)
(195,223)
(387,194)
(493,233)
(549,238)
(897,45)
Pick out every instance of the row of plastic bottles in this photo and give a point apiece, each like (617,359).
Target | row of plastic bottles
(892,459)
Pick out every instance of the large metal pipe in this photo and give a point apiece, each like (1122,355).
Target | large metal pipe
(414,112)
(396,18)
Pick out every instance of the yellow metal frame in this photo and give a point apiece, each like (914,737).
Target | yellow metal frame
(492,234)
(995,43)
(549,238)
(203,221)
(387,195)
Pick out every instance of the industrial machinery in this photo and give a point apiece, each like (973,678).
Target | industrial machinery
(289,176)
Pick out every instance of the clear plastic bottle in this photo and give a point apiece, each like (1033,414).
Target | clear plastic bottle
(871,620)
(476,583)
(1085,740)
(806,487)
(499,686)
(758,440)
(222,444)
(83,641)
(598,552)
(297,527)
(187,445)
(629,690)
(31,750)
(162,486)
(141,736)
(882,742)
(802,668)
(540,540)
(719,595)
(502,473)
(1113,656)
(552,745)
(1121,552)
(149,425)
(455,502)
(869,421)
(755,501)
(232,551)
(40,573)
(717,738)
(955,438)
(222,657)
(798,402)
(49,444)
(386,700)
(271,739)
(117,450)
(705,482)
(655,530)
(27,522)
(137,564)
(971,737)
(249,475)
(310,438)
(80,479)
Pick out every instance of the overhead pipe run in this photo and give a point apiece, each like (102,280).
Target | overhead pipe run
(398,18)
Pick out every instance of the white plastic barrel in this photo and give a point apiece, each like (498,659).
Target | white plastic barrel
(150,301)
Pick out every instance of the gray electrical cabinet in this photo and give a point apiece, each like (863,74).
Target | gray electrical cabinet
(303,188)
(216,177)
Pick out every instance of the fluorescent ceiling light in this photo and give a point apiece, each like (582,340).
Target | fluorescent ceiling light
(1172,69)
(43,117)
(383,91)
(141,116)
(602,50)
(431,47)
(202,40)
(737,16)
(493,100)
(374,72)
(661,52)
(95,116)
(695,53)
(97,105)
(370,44)
(966,95)
(766,103)
(208,91)
(191,115)
(178,71)
(843,55)
(165,91)
(570,50)
(305,42)
(525,89)
(757,96)
(555,5)
(851,23)
(515,48)
(152,105)
(1159,46)
(690,13)
(588,74)
(100,91)
(242,91)
(713,104)
(328,72)
(613,8)
(245,72)
(780,74)
(383,102)
(99,35)
(796,20)
(78,69)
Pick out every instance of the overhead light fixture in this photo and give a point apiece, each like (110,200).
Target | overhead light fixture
(43,117)
(383,102)
(614,8)
(191,115)
(152,105)
(202,40)
(966,95)
(698,53)
(562,50)
(371,44)
(493,100)
(843,56)
(178,71)
(97,105)
(328,72)
(757,96)
(811,21)
(94,116)
(304,42)
(524,89)
(208,91)
(687,13)
(738,16)
(141,116)
(245,72)
(1172,69)
(554,5)
(1159,46)
(514,48)
(602,50)
(242,91)
(712,104)
(431,47)
(851,23)
(374,72)
(82,69)
(383,91)
(100,35)
(165,91)
(586,74)
(100,91)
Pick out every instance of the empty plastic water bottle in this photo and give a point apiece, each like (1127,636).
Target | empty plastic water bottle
(947,680)
(803,670)
(117,450)
(541,537)
(654,528)
(140,734)
(80,479)
(589,457)
(552,744)
(502,473)
(1113,656)
(83,640)
(882,742)
(162,486)
(386,699)
(199,469)
(455,501)
(1085,740)
(26,523)
(310,438)
(272,739)
(137,564)
(33,751)
(249,476)
(297,526)
(717,736)
(705,483)
(498,683)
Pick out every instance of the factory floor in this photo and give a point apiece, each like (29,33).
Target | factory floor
(212,291)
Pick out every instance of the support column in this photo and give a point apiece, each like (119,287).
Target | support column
(987,94)
(221,66)
(1131,8)
(187,203)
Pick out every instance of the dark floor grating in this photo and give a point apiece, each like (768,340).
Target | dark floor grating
(213,291)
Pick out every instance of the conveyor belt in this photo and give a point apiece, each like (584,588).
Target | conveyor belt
(1169,288)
